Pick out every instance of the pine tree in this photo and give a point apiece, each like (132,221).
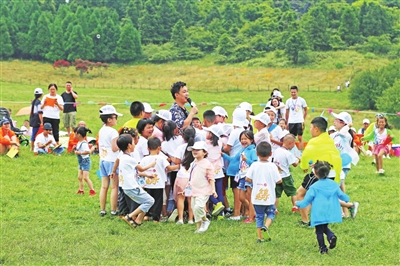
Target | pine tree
(168,18)
(230,17)
(179,35)
(295,43)
(126,50)
(213,14)
(82,19)
(285,6)
(133,11)
(78,45)
(57,48)
(49,5)
(226,45)
(94,21)
(149,24)
(40,42)
(316,28)
(20,16)
(349,29)
(5,41)
(111,33)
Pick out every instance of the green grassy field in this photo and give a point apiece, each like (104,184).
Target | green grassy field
(43,221)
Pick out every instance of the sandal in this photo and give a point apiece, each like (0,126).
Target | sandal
(129,221)
(136,224)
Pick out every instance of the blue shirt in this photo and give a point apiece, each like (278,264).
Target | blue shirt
(179,114)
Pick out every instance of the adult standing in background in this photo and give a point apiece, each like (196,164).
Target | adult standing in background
(69,112)
(180,115)
(52,104)
(36,115)
(296,112)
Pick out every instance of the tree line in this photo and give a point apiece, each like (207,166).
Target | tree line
(166,30)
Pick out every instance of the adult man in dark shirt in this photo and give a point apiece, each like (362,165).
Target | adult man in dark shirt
(69,112)
(180,115)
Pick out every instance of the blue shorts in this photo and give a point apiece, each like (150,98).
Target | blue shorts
(241,185)
(261,211)
(141,197)
(106,168)
(84,163)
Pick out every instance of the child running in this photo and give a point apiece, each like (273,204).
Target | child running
(325,207)
(201,185)
(82,151)
(264,176)
(128,167)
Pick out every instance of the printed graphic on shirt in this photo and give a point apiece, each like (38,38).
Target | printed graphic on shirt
(121,178)
(103,153)
(262,194)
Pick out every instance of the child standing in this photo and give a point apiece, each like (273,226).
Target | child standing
(128,167)
(381,136)
(264,175)
(82,151)
(108,151)
(201,184)
(283,158)
(325,207)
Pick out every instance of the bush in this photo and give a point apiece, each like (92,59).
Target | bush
(369,56)
(339,65)
(189,53)
(304,58)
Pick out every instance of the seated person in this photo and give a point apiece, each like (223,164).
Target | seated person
(8,139)
(45,142)
(25,127)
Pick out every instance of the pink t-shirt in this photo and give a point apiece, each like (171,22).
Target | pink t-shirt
(157,133)
(200,173)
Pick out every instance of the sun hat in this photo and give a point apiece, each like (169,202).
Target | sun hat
(4,121)
(109,110)
(246,106)
(270,108)
(164,115)
(38,91)
(215,129)
(147,108)
(262,117)
(344,116)
(47,126)
(366,121)
(331,128)
(278,94)
(227,129)
(200,145)
(239,117)
(218,110)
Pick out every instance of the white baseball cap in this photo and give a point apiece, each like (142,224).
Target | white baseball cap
(239,117)
(278,94)
(200,145)
(344,116)
(147,108)
(331,128)
(262,117)
(38,91)
(218,110)
(270,108)
(215,129)
(164,115)
(227,129)
(109,110)
(246,106)
(366,121)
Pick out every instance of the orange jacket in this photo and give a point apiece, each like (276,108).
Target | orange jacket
(4,140)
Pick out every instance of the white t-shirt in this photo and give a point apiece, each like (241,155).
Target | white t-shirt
(159,170)
(127,172)
(83,146)
(106,135)
(179,154)
(277,134)
(169,147)
(200,135)
(141,147)
(342,143)
(43,140)
(296,110)
(264,176)
(234,141)
(262,135)
(283,159)
(52,111)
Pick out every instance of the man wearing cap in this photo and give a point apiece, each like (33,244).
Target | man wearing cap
(8,139)
(69,113)
(180,115)
(36,115)
(137,112)
(296,113)
(160,118)
(45,142)
(365,126)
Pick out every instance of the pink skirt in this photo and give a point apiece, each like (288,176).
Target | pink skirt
(180,185)
(379,147)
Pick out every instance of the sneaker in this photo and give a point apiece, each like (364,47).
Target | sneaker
(377,172)
(208,215)
(323,250)
(92,193)
(190,222)
(217,209)
(114,213)
(247,221)
(295,209)
(173,216)
(204,226)
(103,213)
(81,192)
(179,222)
(373,162)
(261,240)
(332,242)
(228,212)
(381,171)
(265,229)
(353,210)
(304,224)
(234,218)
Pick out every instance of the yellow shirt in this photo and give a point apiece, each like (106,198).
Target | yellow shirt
(132,123)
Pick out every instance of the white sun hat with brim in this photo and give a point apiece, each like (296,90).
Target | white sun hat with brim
(215,129)
(239,117)
(246,106)
(218,110)
(200,145)
(164,115)
(344,116)
(278,94)
(270,108)
(262,117)
(109,110)
(147,108)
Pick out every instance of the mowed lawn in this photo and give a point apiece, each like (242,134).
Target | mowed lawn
(43,221)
